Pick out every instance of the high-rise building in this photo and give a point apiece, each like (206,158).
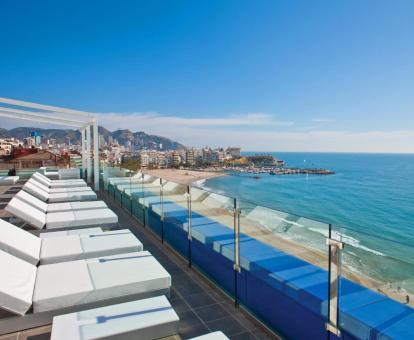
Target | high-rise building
(190,157)
(37,137)
(101,141)
(176,158)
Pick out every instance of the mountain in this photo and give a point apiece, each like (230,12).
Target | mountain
(139,139)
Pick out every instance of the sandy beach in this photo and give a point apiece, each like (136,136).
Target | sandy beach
(183,176)
(313,256)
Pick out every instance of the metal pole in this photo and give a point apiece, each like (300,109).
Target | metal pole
(144,209)
(189,233)
(335,248)
(83,131)
(96,173)
(236,221)
(162,210)
(88,154)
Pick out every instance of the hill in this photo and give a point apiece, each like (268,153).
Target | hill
(139,139)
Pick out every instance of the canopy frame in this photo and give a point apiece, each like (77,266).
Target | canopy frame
(81,120)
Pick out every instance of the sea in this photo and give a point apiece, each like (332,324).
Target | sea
(369,202)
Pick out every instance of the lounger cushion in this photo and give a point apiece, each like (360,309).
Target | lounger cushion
(58,207)
(72,283)
(78,218)
(16,284)
(48,180)
(19,243)
(8,180)
(60,197)
(26,212)
(57,190)
(76,247)
(67,219)
(212,336)
(72,196)
(36,191)
(58,183)
(69,206)
(49,234)
(145,319)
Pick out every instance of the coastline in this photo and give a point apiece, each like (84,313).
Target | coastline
(184,176)
(306,253)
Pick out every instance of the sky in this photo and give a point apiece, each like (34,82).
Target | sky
(263,75)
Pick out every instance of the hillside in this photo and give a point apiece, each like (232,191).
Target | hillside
(139,139)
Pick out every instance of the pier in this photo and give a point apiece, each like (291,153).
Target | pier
(277,171)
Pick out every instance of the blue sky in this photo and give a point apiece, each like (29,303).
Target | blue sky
(266,75)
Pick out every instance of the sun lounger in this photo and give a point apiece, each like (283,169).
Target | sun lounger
(8,180)
(59,197)
(134,180)
(145,319)
(33,249)
(81,283)
(49,234)
(211,336)
(58,207)
(58,183)
(57,190)
(60,220)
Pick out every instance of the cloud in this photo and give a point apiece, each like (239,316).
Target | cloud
(135,121)
(322,120)
(261,132)
(256,132)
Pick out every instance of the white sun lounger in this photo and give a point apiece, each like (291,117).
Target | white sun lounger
(8,180)
(67,183)
(145,319)
(49,234)
(33,249)
(59,197)
(60,220)
(58,207)
(211,336)
(57,190)
(54,287)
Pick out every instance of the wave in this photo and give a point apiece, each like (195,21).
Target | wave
(302,229)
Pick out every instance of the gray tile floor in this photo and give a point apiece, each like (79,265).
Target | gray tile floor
(200,305)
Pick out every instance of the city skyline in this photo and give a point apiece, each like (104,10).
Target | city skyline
(266,76)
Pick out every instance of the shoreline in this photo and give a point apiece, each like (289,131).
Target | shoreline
(184,176)
(308,254)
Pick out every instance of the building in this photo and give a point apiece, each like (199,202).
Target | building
(234,152)
(190,156)
(176,158)
(101,141)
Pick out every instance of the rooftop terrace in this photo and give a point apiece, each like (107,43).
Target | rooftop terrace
(201,306)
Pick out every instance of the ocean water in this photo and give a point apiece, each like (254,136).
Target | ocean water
(369,201)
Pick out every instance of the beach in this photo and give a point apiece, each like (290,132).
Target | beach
(183,176)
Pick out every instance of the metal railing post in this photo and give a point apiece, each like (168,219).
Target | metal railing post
(335,247)
(236,265)
(130,194)
(144,209)
(189,232)
(162,209)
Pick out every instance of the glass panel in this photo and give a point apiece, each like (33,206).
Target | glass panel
(169,213)
(283,259)
(212,228)
(377,276)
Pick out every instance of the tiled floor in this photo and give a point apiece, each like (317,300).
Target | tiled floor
(201,306)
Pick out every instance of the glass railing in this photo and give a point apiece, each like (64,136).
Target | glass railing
(283,258)
(284,268)
(376,278)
